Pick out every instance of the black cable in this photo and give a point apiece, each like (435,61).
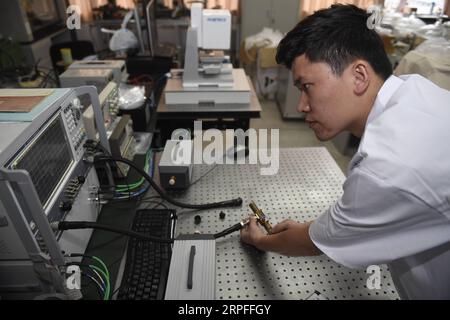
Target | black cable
(146,199)
(204,175)
(81,255)
(236,227)
(155,204)
(101,148)
(46,77)
(92,147)
(98,146)
(72,225)
(228,203)
(210,170)
(126,182)
(161,204)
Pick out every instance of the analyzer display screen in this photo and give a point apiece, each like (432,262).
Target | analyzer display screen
(47,159)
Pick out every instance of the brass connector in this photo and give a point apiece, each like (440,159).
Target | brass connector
(260,217)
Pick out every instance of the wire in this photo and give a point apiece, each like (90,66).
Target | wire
(72,225)
(228,203)
(101,274)
(93,258)
(161,204)
(143,200)
(96,145)
(108,287)
(204,175)
(100,277)
(158,204)
(138,183)
(146,199)
(104,269)
(46,77)
(99,286)
(129,196)
(126,181)
(124,192)
(210,170)
(236,227)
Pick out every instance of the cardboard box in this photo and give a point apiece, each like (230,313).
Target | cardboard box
(267,58)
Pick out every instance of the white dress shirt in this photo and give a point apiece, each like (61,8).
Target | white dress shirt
(396,203)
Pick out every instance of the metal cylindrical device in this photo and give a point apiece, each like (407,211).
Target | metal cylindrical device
(260,217)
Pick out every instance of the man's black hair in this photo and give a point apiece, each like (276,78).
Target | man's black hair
(337,36)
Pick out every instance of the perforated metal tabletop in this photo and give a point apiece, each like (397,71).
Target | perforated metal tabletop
(307,183)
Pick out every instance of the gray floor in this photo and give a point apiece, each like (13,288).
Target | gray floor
(295,133)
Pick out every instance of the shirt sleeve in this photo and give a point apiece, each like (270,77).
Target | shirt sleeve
(375,223)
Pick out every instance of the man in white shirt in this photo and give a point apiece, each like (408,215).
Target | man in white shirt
(396,203)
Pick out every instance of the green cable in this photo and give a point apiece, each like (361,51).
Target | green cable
(130,186)
(104,271)
(125,187)
(108,288)
(105,268)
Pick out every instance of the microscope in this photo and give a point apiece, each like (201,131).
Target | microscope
(208,76)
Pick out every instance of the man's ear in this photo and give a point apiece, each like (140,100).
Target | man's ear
(361,77)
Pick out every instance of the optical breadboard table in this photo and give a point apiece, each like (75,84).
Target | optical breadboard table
(307,183)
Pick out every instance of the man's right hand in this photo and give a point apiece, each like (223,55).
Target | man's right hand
(252,233)
(288,238)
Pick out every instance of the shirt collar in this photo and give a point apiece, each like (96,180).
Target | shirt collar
(388,89)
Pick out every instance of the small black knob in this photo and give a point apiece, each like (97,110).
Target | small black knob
(81,179)
(222,215)
(197,219)
(65,206)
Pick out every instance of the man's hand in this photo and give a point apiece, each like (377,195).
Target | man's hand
(288,238)
(252,233)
